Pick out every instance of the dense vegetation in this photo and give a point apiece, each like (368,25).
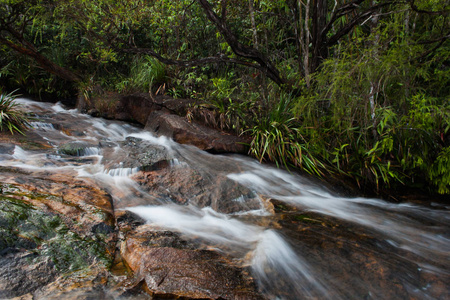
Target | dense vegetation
(358,88)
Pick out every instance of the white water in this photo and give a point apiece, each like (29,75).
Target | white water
(280,265)
(397,222)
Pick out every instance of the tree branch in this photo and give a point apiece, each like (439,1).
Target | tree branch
(193,62)
(239,49)
(356,21)
(440,42)
(26,48)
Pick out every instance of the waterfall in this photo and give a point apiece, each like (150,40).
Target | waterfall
(314,245)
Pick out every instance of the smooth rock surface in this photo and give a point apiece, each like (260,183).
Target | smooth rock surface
(185,132)
(173,267)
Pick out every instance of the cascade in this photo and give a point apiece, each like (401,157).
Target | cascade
(299,240)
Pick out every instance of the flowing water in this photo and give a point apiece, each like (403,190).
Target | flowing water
(307,243)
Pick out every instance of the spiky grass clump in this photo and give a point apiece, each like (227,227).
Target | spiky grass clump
(11,118)
(277,138)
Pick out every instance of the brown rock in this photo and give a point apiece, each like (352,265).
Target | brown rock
(184,132)
(24,272)
(184,185)
(139,106)
(65,226)
(178,106)
(172,267)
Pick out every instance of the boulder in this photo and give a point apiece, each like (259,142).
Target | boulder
(77,148)
(184,185)
(165,115)
(185,132)
(137,153)
(170,266)
(139,106)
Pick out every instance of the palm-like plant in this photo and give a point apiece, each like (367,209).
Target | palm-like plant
(11,118)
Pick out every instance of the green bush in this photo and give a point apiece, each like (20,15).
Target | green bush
(277,137)
(146,73)
(11,118)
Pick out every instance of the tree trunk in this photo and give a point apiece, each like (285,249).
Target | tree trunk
(373,82)
(306,45)
(319,22)
(252,18)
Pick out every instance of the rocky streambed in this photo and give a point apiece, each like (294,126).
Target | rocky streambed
(97,209)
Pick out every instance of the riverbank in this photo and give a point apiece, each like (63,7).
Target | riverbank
(186,123)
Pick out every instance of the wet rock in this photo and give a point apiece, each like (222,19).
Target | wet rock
(24,272)
(139,154)
(185,132)
(127,220)
(93,112)
(6,148)
(77,148)
(145,154)
(80,285)
(356,262)
(50,226)
(178,106)
(184,185)
(165,115)
(31,141)
(172,267)
(139,106)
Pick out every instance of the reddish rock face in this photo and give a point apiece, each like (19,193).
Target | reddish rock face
(83,205)
(139,106)
(172,267)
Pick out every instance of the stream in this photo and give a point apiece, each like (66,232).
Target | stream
(299,239)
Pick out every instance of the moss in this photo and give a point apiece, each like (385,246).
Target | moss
(24,226)
(73,148)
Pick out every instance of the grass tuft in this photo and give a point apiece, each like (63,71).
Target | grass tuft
(11,118)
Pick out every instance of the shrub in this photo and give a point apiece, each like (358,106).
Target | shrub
(277,137)
(146,73)
(11,118)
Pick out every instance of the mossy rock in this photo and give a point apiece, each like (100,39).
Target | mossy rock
(24,226)
(76,148)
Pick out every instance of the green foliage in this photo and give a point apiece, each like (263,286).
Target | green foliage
(440,171)
(277,138)
(376,110)
(146,73)
(223,107)
(379,110)
(11,118)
